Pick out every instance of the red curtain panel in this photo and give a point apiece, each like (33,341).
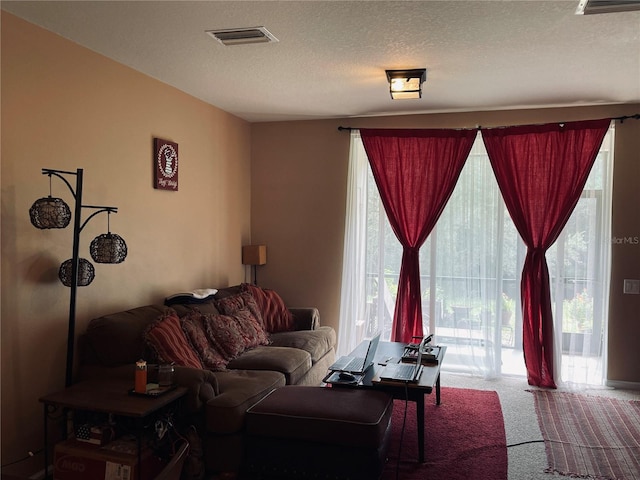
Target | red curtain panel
(541,171)
(415,172)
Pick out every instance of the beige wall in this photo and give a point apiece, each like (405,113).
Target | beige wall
(65,107)
(624,310)
(299,175)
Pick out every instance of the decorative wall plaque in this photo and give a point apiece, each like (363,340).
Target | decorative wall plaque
(165,161)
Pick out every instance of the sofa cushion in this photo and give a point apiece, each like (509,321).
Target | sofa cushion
(193,328)
(184,309)
(166,337)
(237,391)
(316,342)
(275,315)
(117,339)
(292,362)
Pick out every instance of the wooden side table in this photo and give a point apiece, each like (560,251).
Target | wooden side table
(109,397)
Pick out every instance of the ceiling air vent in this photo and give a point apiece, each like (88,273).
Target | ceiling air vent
(242,36)
(587,7)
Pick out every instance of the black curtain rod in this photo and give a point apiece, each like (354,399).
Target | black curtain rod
(621,119)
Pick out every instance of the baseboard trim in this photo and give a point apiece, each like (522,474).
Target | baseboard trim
(622,385)
(28,468)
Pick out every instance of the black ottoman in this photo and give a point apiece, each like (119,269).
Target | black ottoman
(301,432)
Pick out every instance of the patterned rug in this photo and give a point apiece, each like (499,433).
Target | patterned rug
(589,436)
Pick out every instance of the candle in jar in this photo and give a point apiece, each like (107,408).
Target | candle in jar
(141,377)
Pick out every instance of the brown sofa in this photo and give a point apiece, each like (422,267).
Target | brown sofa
(217,399)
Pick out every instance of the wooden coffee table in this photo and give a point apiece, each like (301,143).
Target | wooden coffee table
(415,392)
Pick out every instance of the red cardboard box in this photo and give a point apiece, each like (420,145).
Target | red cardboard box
(118,460)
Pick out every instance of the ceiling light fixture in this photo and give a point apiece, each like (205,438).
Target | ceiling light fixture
(406,83)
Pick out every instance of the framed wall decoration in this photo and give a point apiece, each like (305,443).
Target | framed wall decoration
(165,160)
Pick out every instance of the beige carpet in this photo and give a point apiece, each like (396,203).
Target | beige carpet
(525,444)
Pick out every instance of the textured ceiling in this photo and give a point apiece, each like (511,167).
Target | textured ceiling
(331,56)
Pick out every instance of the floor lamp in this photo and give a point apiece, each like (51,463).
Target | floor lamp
(50,212)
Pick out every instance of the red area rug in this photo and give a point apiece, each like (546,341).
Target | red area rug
(589,436)
(464,438)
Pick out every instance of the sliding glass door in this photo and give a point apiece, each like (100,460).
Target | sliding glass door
(470,273)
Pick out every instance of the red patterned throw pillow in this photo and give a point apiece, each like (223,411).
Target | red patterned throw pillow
(250,329)
(276,317)
(166,338)
(224,334)
(244,310)
(193,327)
(239,301)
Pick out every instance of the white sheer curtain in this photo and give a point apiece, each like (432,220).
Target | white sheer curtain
(471,266)
(477,272)
(352,309)
(579,266)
